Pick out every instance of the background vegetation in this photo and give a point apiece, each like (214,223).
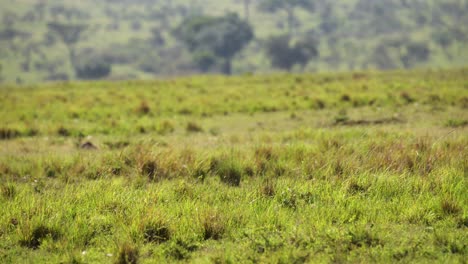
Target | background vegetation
(120,39)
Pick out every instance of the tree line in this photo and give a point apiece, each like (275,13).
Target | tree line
(186,38)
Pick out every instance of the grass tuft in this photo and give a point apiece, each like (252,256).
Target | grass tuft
(345,98)
(61,131)
(193,127)
(353,187)
(128,254)
(364,238)
(8,133)
(268,188)
(143,108)
(37,236)
(450,207)
(229,170)
(156,231)
(149,169)
(180,249)
(456,123)
(213,226)
(407,97)
(8,191)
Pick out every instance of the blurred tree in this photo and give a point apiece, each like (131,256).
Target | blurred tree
(70,34)
(205,60)
(157,38)
(289,7)
(381,56)
(90,69)
(223,37)
(416,53)
(442,38)
(9,19)
(284,53)
(246,4)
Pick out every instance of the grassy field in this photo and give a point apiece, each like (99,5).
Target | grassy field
(352,167)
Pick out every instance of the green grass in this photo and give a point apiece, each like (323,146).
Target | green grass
(363,167)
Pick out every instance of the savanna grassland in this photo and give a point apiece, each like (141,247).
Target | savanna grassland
(358,167)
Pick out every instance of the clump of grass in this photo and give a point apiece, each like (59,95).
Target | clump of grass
(37,236)
(462,222)
(342,117)
(288,198)
(354,187)
(9,133)
(128,254)
(184,190)
(407,97)
(8,191)
(215,131)
(200,171)
(165,127)
(450,207)
(117,144)
(345,98)
(362,237)
(185,111)
(264,157)
(143,108)
(267,189)
(229,170)
(213,226)
(31,132)
(154,166)
(152,170)
(62,131)
(464,102)
(193,127)
(319,104)
(455,123)
(50,171)
(265,153)
(249,170)
(434,99)
(180,249)
(156,231)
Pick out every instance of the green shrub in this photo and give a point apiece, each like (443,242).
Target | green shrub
(93,69)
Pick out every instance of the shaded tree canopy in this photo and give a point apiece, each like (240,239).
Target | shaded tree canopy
(284,53)
(221,36)
(288,6)
(91,69)
(69,33)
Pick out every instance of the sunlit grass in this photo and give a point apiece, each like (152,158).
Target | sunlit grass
(254,169)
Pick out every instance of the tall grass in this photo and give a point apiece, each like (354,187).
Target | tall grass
(264,188)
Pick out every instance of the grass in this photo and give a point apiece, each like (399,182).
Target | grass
(268,186)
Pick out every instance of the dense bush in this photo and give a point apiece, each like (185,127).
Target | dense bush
(93,69)
(284,53)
